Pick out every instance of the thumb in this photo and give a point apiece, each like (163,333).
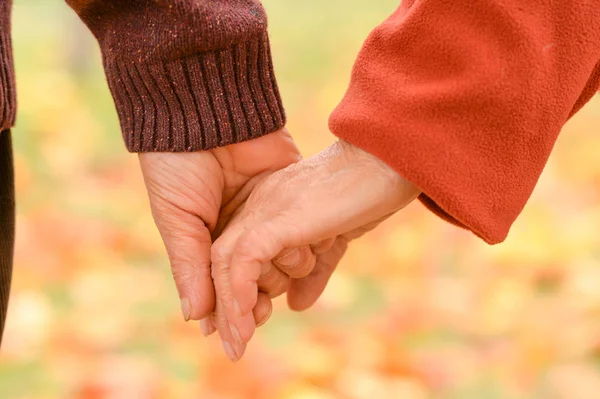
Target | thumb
(304,292)
(188,243)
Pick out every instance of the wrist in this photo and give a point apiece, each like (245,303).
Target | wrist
(379,168)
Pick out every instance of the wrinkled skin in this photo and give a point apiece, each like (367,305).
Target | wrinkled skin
(193,196)
(322,202)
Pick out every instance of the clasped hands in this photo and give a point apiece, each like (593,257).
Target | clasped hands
(245,223)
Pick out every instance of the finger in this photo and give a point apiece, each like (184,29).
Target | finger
(296,262)
(322,246)
(207,326)
(304,292)
(234,350)
(188,244)
(263,309)
(272,281)
(253,248)
(241,327)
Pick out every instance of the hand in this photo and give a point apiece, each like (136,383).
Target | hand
(193,196)
(324,201)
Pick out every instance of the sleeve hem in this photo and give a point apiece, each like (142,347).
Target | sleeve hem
(200,102)
(433,176)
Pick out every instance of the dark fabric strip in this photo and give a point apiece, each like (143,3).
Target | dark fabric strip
(7,223)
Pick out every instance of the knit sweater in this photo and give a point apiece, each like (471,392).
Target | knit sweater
(463,98)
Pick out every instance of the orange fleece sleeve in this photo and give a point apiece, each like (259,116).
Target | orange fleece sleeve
(466,99)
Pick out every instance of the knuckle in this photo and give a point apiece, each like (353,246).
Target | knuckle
(259,243)
(186,271)
(218,273)
(219,254)
(182,276)
(179,257)
(226,300)
(250,242)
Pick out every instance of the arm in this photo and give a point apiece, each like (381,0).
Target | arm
(186,75)
(466,99)
(460,102)
(193,83)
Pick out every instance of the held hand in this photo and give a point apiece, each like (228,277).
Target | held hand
(324,201)
(193,196)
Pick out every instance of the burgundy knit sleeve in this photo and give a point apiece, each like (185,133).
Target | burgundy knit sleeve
(186,75)
(466,99)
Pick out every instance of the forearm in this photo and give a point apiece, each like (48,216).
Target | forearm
(186,75)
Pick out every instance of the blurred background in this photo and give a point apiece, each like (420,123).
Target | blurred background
(418,309)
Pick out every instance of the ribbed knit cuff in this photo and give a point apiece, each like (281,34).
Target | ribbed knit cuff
(200,102)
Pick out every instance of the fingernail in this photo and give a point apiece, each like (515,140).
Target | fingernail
(237,309)
(207,326)
(239,350)
(290,259)
(236,334)
(229,351)
(265,318)
(186,309)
